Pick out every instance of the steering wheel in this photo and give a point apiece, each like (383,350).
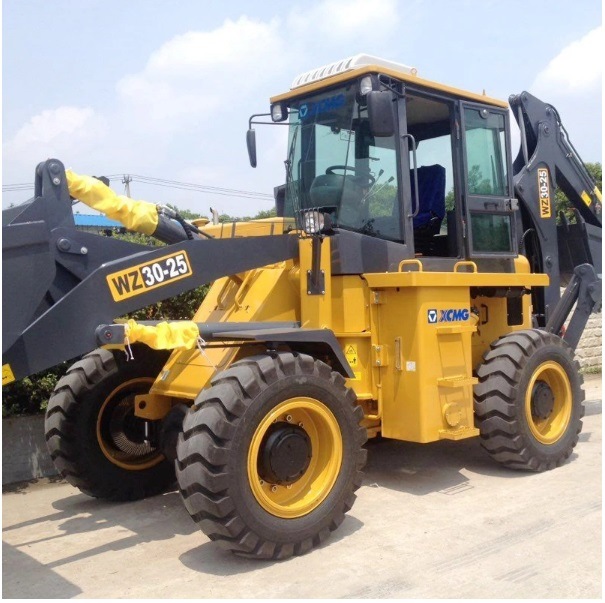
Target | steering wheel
(362,178)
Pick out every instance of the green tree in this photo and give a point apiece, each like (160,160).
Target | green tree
(188,214)
(382,201)
(562,203)
(477,185)
(263,214)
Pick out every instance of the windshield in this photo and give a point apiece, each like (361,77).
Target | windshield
(334,164)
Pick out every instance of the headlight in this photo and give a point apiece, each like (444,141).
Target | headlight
(279,112)
(366,85)
(313,222)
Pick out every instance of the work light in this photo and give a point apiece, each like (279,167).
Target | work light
(279,112)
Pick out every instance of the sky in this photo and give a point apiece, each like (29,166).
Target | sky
(164,89)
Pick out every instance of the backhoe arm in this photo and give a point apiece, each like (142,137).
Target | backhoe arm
(548,159)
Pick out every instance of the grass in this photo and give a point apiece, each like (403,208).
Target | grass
(592,370)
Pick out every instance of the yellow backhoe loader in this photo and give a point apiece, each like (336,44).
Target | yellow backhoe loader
(409,288)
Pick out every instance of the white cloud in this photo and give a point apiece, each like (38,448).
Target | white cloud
(238,45)
(194,73)
(53,131)
(577,68)
(51,124)
(572,82)
(335,20)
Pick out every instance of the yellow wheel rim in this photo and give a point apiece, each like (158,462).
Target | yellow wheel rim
(549,429)
(314,485)
(116,425)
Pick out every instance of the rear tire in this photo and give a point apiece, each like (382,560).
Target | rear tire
(528,402)
(271,455)
(92,435)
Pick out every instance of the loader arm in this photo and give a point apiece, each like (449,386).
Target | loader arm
(548,159)
(60,284)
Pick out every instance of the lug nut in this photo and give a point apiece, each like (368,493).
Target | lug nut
(289,418)
(273,488)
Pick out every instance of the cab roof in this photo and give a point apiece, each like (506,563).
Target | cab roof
(362,64)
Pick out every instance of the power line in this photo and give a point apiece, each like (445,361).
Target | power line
(16,187)
(162,182)
(195,186)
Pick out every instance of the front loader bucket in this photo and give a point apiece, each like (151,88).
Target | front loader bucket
(28,266)
(28,270)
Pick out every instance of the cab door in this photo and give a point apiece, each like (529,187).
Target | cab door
(487,182)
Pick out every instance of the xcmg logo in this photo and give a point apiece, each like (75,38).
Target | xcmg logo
(450,315)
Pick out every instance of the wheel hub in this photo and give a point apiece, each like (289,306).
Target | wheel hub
(285,454)
(542,400)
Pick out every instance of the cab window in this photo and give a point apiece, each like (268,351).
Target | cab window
(485,153)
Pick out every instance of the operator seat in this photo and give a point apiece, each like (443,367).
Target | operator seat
(431,201)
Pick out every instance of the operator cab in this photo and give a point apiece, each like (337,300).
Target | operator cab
(430,170)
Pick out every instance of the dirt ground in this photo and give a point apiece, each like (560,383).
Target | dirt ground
(439,520)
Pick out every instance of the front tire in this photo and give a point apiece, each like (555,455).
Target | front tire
(92,435)
(271,455)
(528,402)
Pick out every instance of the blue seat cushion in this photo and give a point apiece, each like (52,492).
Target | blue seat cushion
(431,195)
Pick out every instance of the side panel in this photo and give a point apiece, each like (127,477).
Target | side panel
(425,363)
(352,323)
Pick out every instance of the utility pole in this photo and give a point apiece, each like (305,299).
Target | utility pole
(126,182)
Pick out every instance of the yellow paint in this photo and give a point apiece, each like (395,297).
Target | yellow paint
(550,430)
(437,359)
(586,198)
(597,193)
(454,279)
(315,310)
(399,75)
(492,319)
(152,407)
(268,294)
(7,374)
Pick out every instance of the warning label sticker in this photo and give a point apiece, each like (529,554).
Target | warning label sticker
(7,374)
(351,355)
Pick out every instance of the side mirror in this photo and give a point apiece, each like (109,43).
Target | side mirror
(380,113)
(251,143)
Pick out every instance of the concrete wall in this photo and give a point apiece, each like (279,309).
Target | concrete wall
(590,348)
(24,454)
